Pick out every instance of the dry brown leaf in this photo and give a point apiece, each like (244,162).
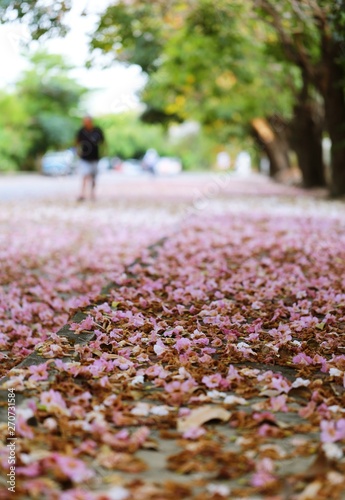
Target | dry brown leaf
(269,392)
(320,466)
(150,444)
(113,479)
(201,415)
(311,491)
(121,461)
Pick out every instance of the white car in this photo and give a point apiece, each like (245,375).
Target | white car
(167,165)
(58,163)
(131,167)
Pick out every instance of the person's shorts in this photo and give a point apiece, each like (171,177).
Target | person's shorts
(88,168)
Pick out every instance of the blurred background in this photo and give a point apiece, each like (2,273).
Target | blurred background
(227,85)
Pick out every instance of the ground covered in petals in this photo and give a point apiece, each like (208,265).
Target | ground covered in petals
(56,257)
(216,362)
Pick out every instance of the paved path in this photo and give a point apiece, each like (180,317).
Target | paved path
(35,187)
(213,366)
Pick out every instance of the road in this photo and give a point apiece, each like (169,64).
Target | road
(20,187)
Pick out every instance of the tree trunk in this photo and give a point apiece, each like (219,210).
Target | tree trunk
(330,83)
(335,117)
(273,145)
(306,140)
(327,75)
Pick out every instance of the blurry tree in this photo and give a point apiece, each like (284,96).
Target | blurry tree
(14,139)
(218,62)
(228,63)
(312,37)
(52,100)
(205,62)
(128,137)
(305,130)
(133,31)
(43,17)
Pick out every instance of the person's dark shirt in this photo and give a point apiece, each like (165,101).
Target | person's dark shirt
(88,141)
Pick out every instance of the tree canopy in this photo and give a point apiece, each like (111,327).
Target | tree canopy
(229,62)
(43,17)
(41,112)
(203,62)
(52,100)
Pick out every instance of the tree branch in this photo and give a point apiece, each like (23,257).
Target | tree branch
(294,51)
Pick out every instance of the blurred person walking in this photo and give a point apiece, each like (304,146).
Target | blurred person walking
(223,160)
(150,160)
(88,140)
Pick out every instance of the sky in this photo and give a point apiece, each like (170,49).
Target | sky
(114,89)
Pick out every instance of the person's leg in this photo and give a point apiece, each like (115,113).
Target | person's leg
(93,180)
(93,187)
(84,171)
(83,188)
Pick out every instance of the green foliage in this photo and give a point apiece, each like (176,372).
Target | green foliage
(196,152)
(47,86)
(224,63)
(132,32)
(52,99)
(42,17)
(14,140)
(128,137)
(207,61)
(337,17)
(221,63)
(42,113)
